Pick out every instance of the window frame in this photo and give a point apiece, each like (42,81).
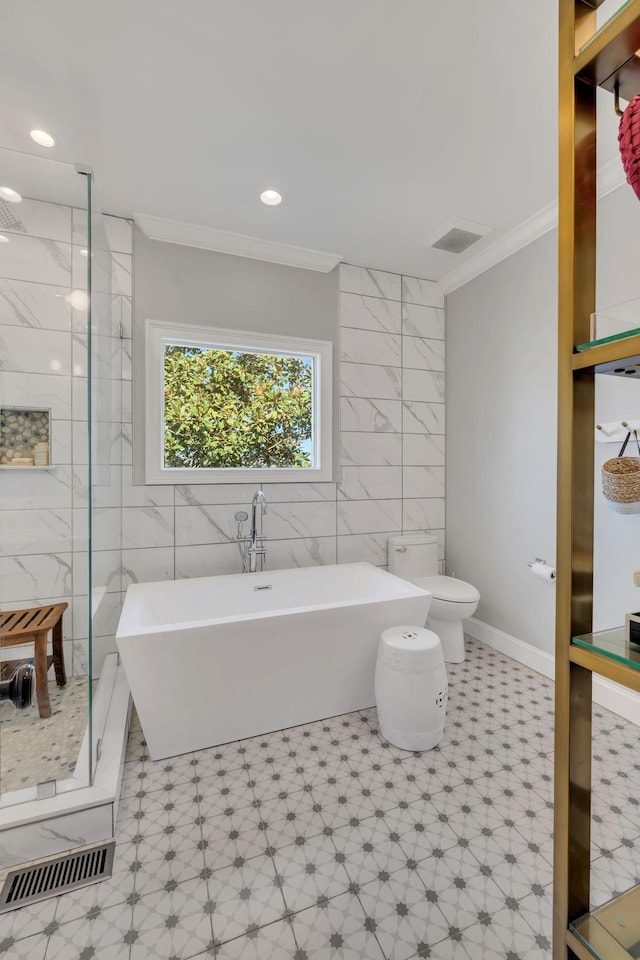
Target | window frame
(158,333)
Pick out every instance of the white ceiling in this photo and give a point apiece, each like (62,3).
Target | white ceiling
(378,120)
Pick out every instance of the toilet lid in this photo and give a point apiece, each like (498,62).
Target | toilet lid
(448,588)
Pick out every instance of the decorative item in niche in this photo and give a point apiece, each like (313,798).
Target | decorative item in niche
(621,480)
(629,142)
(24,437)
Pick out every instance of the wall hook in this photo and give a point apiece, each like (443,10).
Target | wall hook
(616,98)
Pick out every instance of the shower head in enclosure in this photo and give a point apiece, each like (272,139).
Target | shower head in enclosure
(9,220)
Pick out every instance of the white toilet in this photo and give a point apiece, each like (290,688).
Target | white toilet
(414,557)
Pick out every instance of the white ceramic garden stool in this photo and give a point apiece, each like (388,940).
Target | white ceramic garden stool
(411,688)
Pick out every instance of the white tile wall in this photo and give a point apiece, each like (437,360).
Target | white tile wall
(366,346)
(370,313)
(392,448)
(28,258)
(368,449)
(420,321)
(393,414)
(424,292)
(370,283)
(363,414)
(33,305)
(391,454)
(369,516)
(23,577)
(370,381)
(46,221)
(370,483)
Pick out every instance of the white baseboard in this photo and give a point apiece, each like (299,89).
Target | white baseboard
(621,701)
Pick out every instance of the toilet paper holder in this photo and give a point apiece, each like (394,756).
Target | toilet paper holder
(541,569)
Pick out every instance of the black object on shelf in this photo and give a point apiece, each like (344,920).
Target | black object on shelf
(633,630)
(19,688)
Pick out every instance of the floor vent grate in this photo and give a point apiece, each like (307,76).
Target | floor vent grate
(58,875)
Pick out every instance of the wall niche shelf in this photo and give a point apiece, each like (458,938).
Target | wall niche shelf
(17,466)
(25,435)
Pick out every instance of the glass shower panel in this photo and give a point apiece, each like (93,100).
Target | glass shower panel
(44,467)
(104,375)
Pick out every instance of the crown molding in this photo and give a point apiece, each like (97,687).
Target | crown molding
(610,176)
(236,244)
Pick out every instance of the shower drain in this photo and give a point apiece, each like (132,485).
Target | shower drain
(56,875)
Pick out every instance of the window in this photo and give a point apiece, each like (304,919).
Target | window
(227,405)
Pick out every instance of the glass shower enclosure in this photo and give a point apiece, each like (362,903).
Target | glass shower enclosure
(61,334)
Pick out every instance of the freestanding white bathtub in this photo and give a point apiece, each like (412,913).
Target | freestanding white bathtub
(215,659)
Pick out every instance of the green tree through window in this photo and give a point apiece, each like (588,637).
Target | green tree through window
(225,408)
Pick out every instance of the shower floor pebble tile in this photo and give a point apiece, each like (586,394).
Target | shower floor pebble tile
(324,843)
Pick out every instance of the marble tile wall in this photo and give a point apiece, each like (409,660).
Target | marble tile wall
(43,363)
(391,464)
(391,471)
(392,411)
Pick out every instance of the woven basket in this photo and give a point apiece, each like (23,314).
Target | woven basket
(621,479)
(629,142)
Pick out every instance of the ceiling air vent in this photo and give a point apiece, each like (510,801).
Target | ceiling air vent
(456,236)
(47,878)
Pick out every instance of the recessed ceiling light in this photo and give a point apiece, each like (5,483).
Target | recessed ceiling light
(4,239)
(271,197)
(42,138)
(9,194)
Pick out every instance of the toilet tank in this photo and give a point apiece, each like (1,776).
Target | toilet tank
(413,555)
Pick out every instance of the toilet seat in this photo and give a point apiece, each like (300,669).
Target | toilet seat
(449,589)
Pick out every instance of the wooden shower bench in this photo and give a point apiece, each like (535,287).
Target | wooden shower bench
(32,626)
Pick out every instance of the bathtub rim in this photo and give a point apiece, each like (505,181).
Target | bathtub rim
(410,590)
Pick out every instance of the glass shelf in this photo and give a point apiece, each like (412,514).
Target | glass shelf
(612,644)
(612,930)
(603,26)
(613,323)
(611,339)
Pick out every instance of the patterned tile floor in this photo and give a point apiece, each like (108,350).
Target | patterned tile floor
(323,843)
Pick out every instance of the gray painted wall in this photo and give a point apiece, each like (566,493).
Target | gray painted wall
(501,433)
(501,439)
(184,285)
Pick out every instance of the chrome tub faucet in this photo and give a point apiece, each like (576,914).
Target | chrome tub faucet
(252,548)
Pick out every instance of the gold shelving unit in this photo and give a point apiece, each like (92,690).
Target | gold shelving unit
(589,58)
